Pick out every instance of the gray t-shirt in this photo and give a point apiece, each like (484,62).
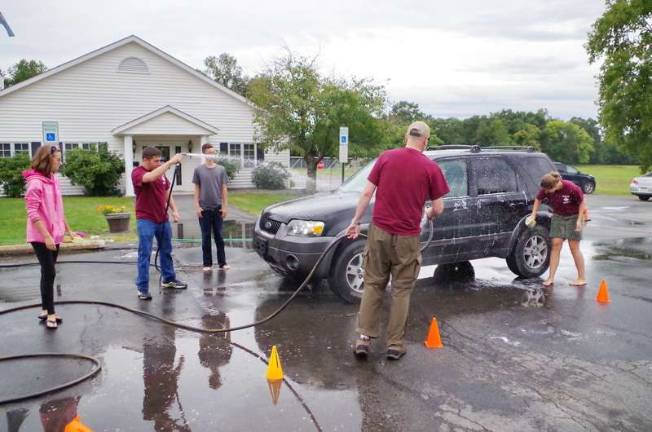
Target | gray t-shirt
(210,181)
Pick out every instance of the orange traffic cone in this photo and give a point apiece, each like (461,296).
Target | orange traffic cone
(433,340)
(76,425)
(603,293)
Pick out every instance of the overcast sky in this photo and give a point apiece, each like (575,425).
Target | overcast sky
(453,57)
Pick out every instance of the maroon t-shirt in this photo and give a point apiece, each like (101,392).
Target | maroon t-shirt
(151,198)
(564,202)
(405,178)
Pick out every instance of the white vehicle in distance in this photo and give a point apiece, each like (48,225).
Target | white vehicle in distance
(642,186)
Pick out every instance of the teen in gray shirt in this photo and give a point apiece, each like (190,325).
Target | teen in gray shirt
(211,202)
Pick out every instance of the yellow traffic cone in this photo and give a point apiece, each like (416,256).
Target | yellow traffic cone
(274,369)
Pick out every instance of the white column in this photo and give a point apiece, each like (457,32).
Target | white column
(128,153)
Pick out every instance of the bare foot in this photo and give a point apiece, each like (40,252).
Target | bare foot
(548,282)
(578,283)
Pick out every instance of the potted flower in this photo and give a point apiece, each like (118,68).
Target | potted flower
(116,216)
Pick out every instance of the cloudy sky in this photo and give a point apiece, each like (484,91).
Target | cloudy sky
(454,57)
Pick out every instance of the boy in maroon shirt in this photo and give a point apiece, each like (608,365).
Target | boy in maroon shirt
(403,180)
(568,217)
(152,189)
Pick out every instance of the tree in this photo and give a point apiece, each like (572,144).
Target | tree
(566,142)
(529,136)
(23,70)
(492,132)
(303,111)
(622,38)
(406,112)
(226,71)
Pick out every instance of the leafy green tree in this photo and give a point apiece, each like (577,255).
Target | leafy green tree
(226,71)
(11,174)
(23,70)
(450,130)
(98,171)
(303,111)
(566,142)
(406,112)
(492,132)
(622,38)
(528,136)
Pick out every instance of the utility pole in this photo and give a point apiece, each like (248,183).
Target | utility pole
(4,23)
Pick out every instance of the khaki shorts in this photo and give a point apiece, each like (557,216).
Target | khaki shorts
(564,227)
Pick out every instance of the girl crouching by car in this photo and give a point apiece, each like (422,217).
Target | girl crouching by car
(568,219)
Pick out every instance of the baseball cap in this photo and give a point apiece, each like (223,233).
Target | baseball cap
(419,129)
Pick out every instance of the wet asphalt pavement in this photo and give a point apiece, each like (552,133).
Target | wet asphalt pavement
(515,357)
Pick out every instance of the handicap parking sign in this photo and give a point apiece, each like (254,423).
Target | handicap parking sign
(50,131)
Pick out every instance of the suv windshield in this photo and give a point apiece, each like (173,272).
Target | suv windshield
(356,182)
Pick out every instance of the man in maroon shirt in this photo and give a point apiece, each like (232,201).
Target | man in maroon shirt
(403,180)
(152,190)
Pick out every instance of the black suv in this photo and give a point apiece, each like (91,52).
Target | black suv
(583,180)
(492,192)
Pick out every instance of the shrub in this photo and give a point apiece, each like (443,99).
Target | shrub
(232,166)
(270,176)
(11,174)
(98,171)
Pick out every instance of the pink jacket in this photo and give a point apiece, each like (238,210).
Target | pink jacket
(43,202)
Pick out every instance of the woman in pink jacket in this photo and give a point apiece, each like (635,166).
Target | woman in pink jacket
(46,223)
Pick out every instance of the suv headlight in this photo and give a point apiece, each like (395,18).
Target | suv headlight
(304,228)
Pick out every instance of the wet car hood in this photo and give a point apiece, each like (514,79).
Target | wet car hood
(335,209)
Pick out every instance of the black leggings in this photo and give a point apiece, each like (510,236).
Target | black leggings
(47,259)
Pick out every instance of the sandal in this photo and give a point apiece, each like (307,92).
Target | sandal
(44,316)
(51,324)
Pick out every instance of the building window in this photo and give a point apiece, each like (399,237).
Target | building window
(21,148)
(224,148)
(5,150)
(133,65)
(93,145)
(8,150)
(249,155)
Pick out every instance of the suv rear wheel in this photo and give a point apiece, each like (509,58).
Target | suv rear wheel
(347,276)
(588,187)
(530,256)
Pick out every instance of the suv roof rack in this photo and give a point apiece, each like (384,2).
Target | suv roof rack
(473,148)
(522,148)
(477,149)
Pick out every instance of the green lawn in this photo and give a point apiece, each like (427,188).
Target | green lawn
(255,202)
(82,215)
(611,179)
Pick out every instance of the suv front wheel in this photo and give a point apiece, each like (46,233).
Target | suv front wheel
(347,276)
(530,256)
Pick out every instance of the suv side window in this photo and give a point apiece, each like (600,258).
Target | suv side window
(456,175)
(494,175)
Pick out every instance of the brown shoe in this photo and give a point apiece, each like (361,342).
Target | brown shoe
(395,352)
(361,349)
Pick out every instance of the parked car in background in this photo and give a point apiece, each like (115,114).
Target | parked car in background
(583,180)
(642,186)
(492,192)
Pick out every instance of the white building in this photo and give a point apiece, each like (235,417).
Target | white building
(129,95)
